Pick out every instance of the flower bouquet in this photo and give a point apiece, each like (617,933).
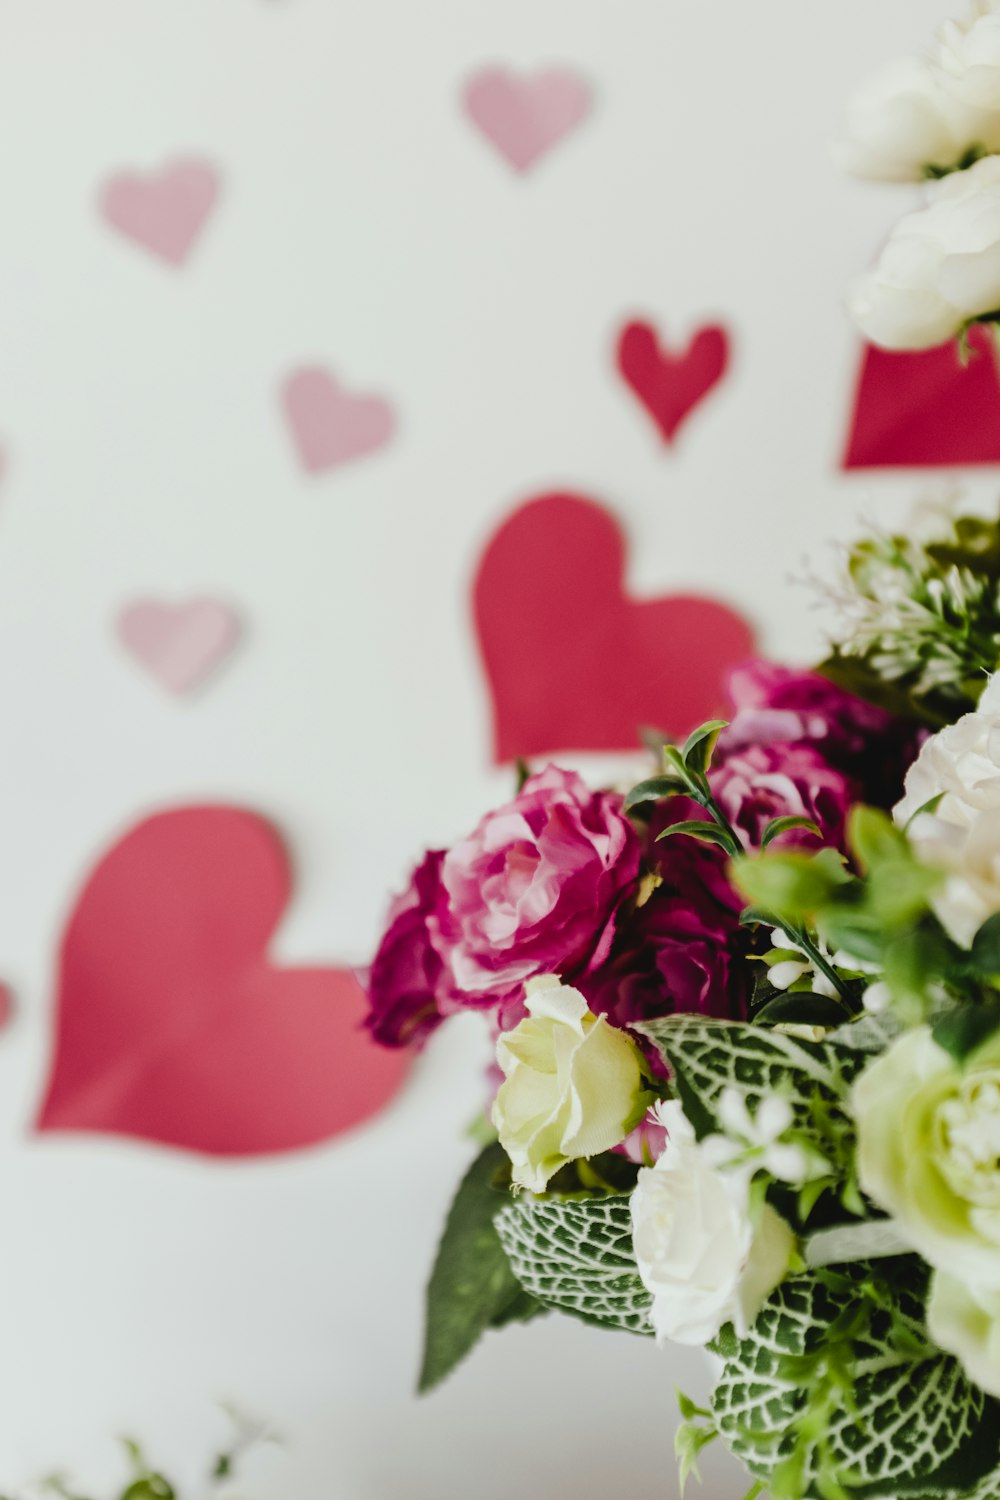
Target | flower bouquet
(747,1012)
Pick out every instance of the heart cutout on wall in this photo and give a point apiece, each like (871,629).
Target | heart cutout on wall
(670,386)
(330,425)
(179,644)
(164,211)
(573,663)
(173,1025)
(927,409)
(524,116)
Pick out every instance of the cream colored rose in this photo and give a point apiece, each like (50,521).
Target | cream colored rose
(965,1319)
(929,1150)
(906,118)
(940,268)
(703,1257)
(961,765)
(573,1084)
(970,60)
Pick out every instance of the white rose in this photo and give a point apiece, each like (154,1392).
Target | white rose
(940,268)
(573,1084)
(970,61)
(700,1253)
(964,1318)
(905,119)
(929,1150)
(962,834)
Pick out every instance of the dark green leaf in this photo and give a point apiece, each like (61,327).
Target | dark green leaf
(967,1027)
(654,790)
(778,826)
(472,1286)
(710,832)
(700,744)
(985,952)
(802,1009)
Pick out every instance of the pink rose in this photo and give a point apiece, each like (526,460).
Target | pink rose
(763,782)
(405,974)
(534,890)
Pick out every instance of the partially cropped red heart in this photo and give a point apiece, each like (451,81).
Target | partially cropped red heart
(172,1023)
(669,385)
(927,409)
(573,662)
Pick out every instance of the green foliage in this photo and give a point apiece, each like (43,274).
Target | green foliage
(472,1286)
(923,623)
(706,1057)
(685,770)
(575,1254)
(698,1428)
(836,1389)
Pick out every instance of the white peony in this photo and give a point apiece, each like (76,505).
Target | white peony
(964,1318)
(574,1084)
(962,834)
(970,60)
(703,1257)
(940,268)
(906,118)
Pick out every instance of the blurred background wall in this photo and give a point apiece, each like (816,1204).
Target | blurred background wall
(286,330)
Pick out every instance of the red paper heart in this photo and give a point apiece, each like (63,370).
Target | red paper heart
(573,663)
(926,409)
(669,385)
(173,1025)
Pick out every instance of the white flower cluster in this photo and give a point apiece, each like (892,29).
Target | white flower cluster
(939,118)
(708,1252)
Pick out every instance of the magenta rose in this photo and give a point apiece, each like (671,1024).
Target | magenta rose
(762,782)
(534,890)
(405,974)
(781,705)
(666,959)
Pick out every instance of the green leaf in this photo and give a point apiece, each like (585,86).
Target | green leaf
(472,1286)
(791,885)
(966,1028)
(778,826)
(654,790)
(706,1057)
(874,837)
(836,1384)
(712,833)
(575,1254)
(700,745)
(985,952)
(800,1009)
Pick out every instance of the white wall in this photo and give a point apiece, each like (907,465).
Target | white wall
(365,225)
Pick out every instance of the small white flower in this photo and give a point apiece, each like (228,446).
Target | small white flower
(940,268)
(964,1318)
(704,1258)
(758,1140)
(877,998)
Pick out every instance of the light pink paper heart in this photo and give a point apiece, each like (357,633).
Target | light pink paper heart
(330,425)
(525,117)
(179,644)
(164,211)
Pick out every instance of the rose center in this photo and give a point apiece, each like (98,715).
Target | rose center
(968,1140)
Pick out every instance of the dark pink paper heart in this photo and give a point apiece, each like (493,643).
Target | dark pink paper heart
(670,385)
(574,663)
(174,1025)
(927,409)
